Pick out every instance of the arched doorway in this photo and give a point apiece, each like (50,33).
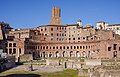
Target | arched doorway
(43,55)
(77,54)
(50,55)
(88,54)
(57,54)
(71,53)
(83,54)
(63,53)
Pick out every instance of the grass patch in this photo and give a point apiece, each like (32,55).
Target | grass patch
(65,73)
(81,60)
(14,72)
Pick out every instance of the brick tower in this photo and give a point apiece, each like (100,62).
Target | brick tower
(55,19)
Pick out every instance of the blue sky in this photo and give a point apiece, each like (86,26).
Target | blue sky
(33,13)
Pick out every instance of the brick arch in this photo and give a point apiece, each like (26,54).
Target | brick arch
(63,54)
(71,53)
(77,53)
(50,54)
(84,54)
(57,54)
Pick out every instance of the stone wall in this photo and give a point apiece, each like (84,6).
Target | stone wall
(105,71)
(26,57)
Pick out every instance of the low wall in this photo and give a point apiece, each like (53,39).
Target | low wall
(26,57)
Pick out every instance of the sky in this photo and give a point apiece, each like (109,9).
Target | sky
(34,13)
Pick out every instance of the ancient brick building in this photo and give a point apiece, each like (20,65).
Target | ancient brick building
(58,40)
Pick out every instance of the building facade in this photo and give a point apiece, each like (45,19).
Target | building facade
(58,40)
(105,26)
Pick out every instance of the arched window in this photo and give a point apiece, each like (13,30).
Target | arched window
(14,51)
(14,44)
(53,47)
(10,44)
(10,51)
(67,47)
(63,47)
(60,47)
(74,47)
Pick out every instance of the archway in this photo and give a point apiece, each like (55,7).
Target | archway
(57,54)
(50,55)
(88,54)
(77,54)
(83,54)
(63,53)
(43,55)
(71,53)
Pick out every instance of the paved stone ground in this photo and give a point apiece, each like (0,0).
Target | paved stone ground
(37,68)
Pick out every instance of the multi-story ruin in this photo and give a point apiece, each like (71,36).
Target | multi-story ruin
(58,40)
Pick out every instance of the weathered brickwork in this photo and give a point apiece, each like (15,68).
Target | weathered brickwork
(57,40)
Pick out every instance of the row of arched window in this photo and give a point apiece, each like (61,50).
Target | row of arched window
(10,44)
(65,47)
